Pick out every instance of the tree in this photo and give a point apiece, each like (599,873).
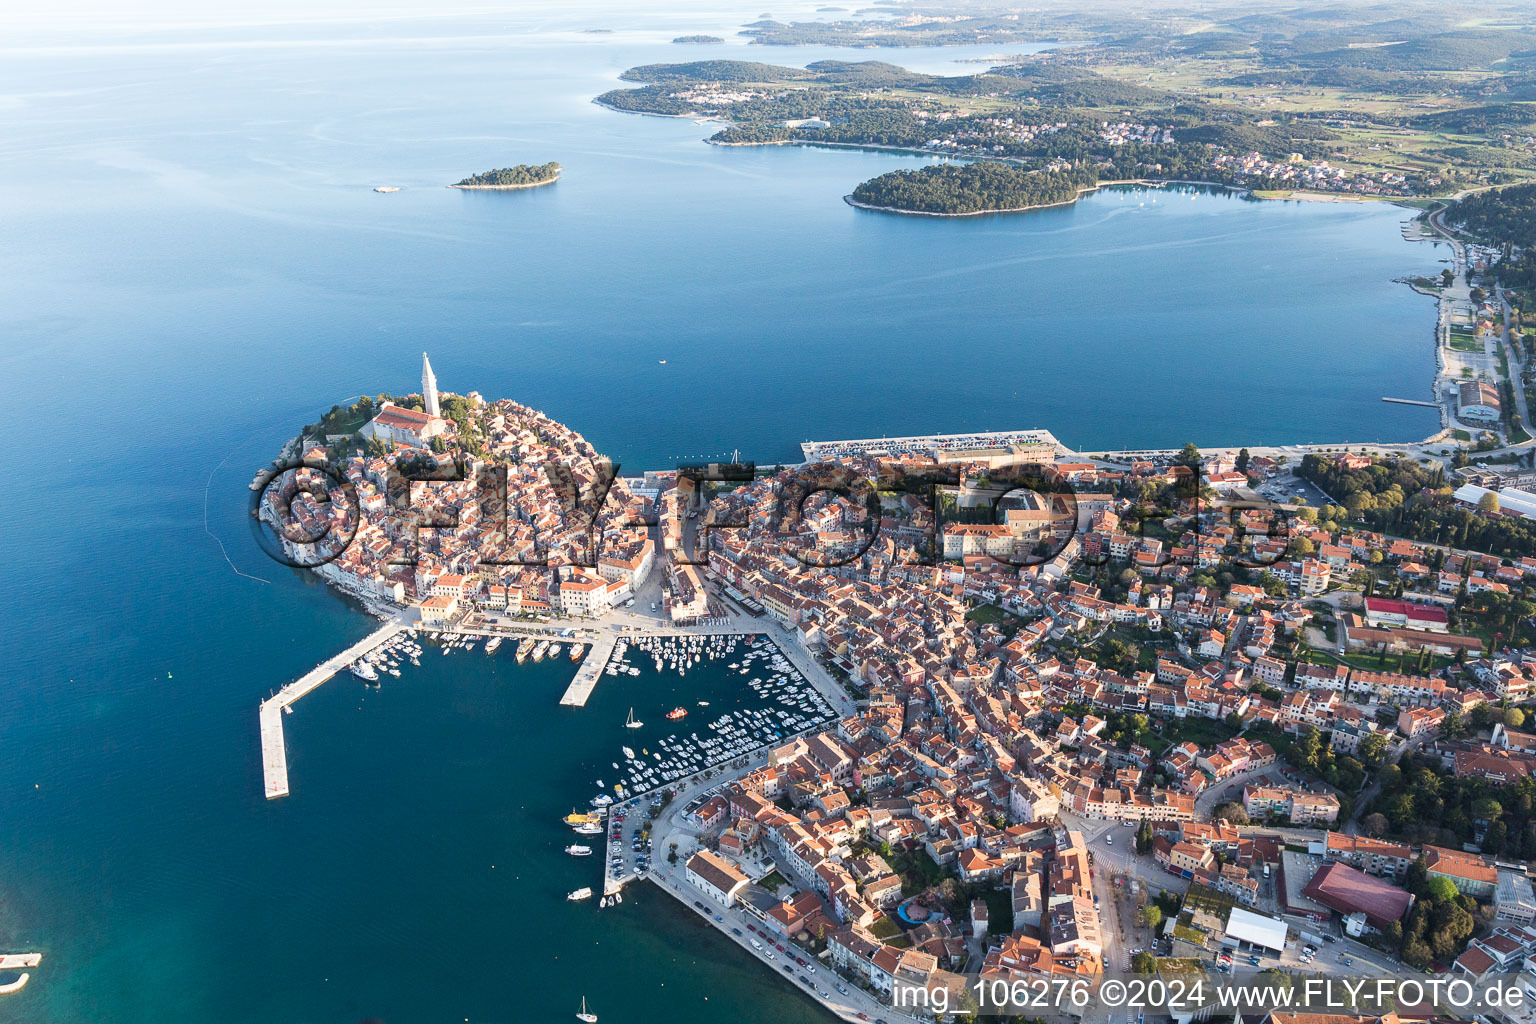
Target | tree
(1375,825)
(1373,750)
(1417,877)
(1488,503)
(1452,727)
(1481,715)
(1242,461)
(1495,839)
(1514,718)
(1144,963)
(1152,915)
(1440,889)
(1232,813)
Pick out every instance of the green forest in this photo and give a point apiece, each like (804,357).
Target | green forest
(1504,217)
(971,188)
(1399,497)
(522,174)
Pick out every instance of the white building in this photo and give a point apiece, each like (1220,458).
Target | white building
(716,877)
(396,424)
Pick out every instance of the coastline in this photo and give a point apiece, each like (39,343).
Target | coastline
(505,188)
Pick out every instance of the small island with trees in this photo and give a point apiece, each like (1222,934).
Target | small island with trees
(521,176)
(965,190)
(698,39)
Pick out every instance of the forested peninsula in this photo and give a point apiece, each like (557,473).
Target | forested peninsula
(961,190)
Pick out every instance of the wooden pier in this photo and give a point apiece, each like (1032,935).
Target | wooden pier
(586,677)
(274,752)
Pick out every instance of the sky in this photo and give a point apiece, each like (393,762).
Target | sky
(85,16)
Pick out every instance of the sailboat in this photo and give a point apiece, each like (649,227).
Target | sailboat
(584,1015)
(630,723)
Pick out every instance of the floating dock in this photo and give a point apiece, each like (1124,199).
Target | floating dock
(274,752)
(586,677)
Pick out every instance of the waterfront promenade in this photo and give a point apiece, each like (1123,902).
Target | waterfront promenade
(274,751)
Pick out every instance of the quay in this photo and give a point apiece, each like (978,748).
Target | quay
(927,444)
(16,961)
(274,752)
(1411,401)
(586,677)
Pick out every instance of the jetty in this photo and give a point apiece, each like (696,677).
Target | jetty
(274,752)
(1411,401)
(17,961)
(586,677)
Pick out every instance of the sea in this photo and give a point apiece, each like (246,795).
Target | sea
(196,264)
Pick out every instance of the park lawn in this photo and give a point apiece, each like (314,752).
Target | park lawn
(999,911)
(917,871)
(1204,731)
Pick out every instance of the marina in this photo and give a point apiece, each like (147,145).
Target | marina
(792,705)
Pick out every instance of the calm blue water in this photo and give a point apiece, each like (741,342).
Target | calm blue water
(194,264)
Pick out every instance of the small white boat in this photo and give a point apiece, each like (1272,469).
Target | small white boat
(585,892)
(579,851)
(631,722)
(629,753)
(583,1015)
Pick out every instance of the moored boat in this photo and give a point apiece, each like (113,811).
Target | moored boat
(523,649)
(582,818)
(584,1015)
(576,650)
(576,850)
(585,892)
(540,649)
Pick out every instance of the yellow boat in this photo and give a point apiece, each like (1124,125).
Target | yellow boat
(582,818)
